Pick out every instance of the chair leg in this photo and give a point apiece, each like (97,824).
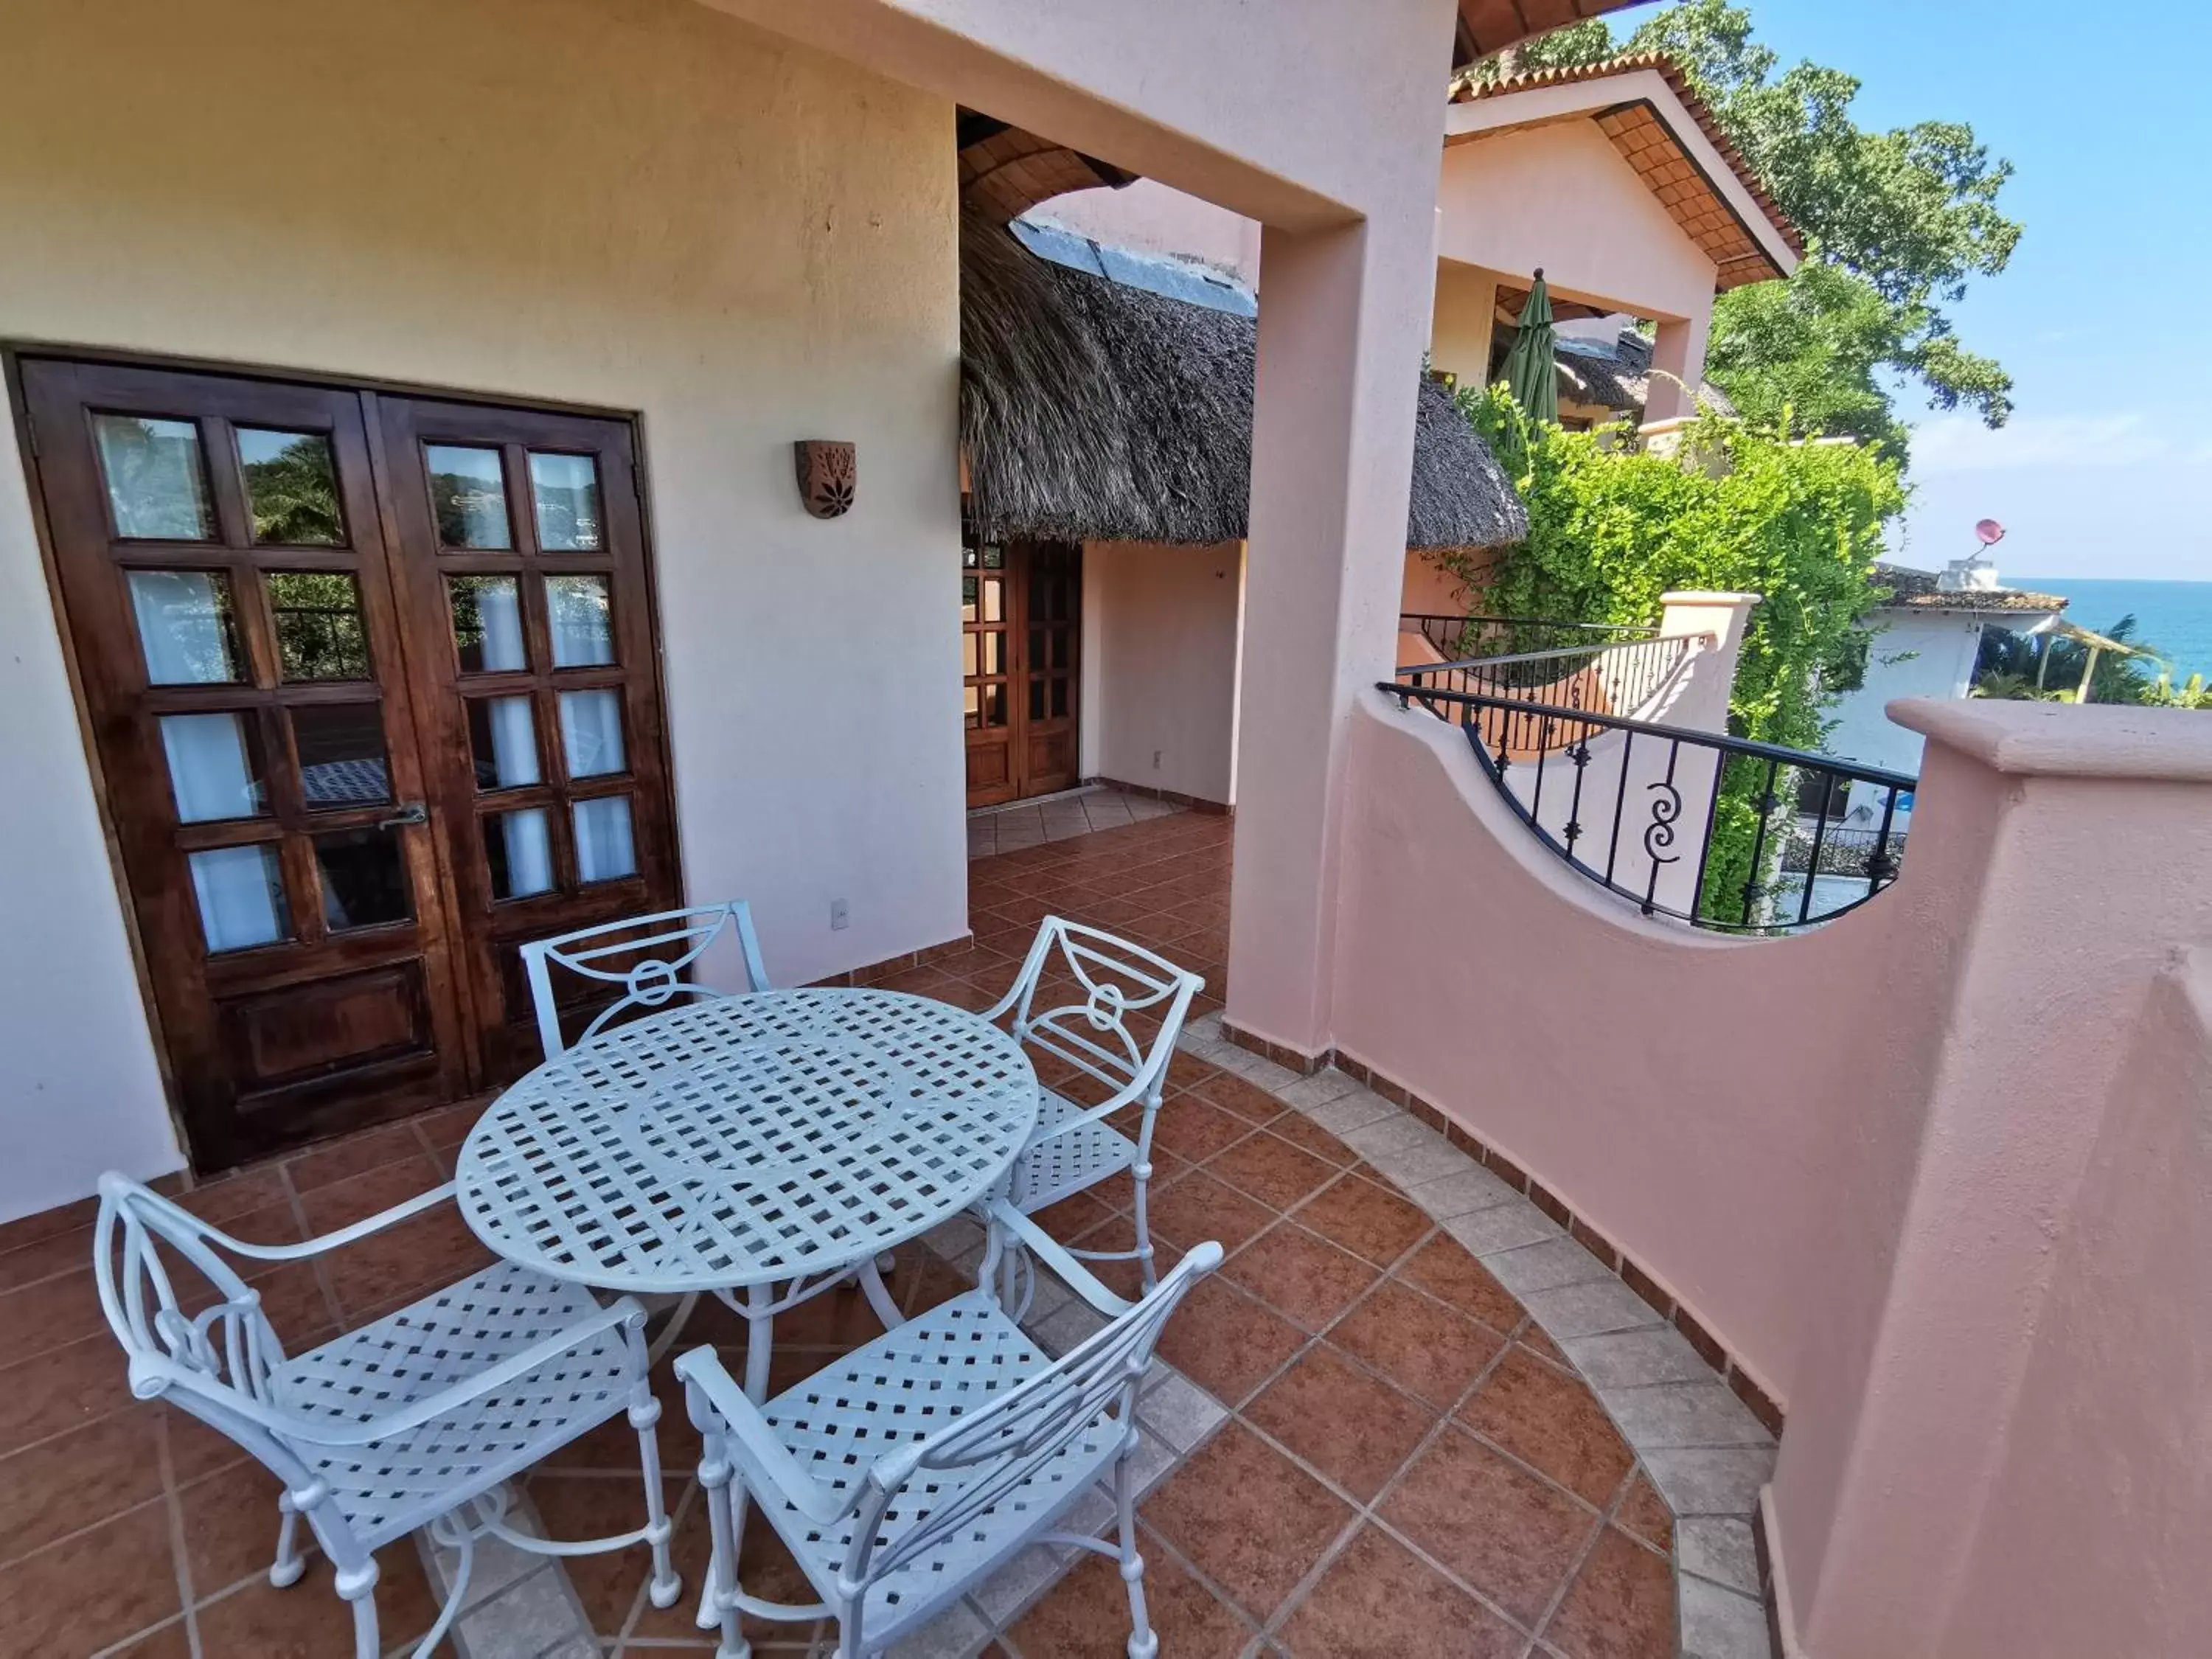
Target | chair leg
(359,1587)
(1144,1642)
(288,1566)
(644,1413)
(1141,1177)
(715,1480)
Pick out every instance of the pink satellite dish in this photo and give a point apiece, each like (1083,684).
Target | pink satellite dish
(1988,532)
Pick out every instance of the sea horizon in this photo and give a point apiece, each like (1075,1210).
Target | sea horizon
(2173,615)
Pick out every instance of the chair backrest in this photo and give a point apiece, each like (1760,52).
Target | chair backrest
(193,1330)
(1113,980)
(1008,1444)
(646,956)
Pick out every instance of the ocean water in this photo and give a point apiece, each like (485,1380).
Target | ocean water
(2174,616)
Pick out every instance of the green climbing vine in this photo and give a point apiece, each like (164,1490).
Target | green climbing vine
(1613,527)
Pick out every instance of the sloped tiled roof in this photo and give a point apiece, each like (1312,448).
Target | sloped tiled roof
(1917,590)
(1649,145)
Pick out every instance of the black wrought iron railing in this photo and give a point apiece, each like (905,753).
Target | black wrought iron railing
(1608,678)
(1457,636)
(1699,826)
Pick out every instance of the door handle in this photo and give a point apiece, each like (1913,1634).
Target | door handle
(407,817)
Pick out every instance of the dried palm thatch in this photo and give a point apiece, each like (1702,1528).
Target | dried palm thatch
(1091,411)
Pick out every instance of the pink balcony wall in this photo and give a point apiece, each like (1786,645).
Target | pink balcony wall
(1935,1173)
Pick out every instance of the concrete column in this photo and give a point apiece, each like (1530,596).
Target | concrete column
(1697,698)
(1343,315)
(1466,309)
(1996,1436)
(1677,368)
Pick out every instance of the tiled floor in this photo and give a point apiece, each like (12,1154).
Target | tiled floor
(996,829)
(1389,1456)
(126,1528)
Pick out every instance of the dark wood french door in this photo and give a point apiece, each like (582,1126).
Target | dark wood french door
(371,683)
(1021,626)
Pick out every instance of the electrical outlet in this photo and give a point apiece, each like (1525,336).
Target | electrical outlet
(840,917)
(1156,760)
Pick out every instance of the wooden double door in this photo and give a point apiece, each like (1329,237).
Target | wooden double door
(1021,633)
(371,684)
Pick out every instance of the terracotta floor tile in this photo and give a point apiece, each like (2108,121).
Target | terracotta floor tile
(1551,1423)
(1075,1216)
(1506,1533)
(169,1641)
(386,1143)
(73,1480)
(224,1201)
(1542,1345)
(59,1253)
(43,1317)
(1366,1218)
(404,1263)
(1188,1070)
(1233,1094)
(195,1449)
(1443,1268)
(78,1597)
(44,1224)
(1300,1275)
(448,1126)
(579,1506)
(1271,1170)
(230,1526)
(1422,1346)
(1226,1342)
(64,1388)
(344,1199)
(1195,1206)
(1193,1128)
(1087,1614)
(1247,1517)
(1621,1607)
(1354,1428)
(1380,1600)
(1309,1137)
(308,1620)
(1646,1514)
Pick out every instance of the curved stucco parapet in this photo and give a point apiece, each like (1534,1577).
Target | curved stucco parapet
(1654,1076)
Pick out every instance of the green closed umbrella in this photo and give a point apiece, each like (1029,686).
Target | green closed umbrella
(1531,373)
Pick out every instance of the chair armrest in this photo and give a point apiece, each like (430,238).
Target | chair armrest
(766,1458)
(360,1230)
(1046,1249)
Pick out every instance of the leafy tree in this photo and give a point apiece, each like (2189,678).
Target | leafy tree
(1901,220)
(2014,667)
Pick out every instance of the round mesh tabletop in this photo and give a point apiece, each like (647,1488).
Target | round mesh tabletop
(745,1139)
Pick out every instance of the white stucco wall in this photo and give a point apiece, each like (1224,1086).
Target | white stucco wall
(654,208)
(1913,655)
(1166,622)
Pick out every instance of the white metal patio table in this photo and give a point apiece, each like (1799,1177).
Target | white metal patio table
(761,1145)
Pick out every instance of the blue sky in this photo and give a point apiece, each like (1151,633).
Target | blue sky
(2104,317)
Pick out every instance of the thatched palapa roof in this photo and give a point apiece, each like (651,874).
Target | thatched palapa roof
(1092,410)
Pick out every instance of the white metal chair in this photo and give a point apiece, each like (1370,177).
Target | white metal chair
(418,1420)
(1074,1147)
(905,1474)
(655,952)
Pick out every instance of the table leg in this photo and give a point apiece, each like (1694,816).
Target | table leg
(760,1326)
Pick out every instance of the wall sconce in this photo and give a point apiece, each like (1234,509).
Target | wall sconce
(828,473)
